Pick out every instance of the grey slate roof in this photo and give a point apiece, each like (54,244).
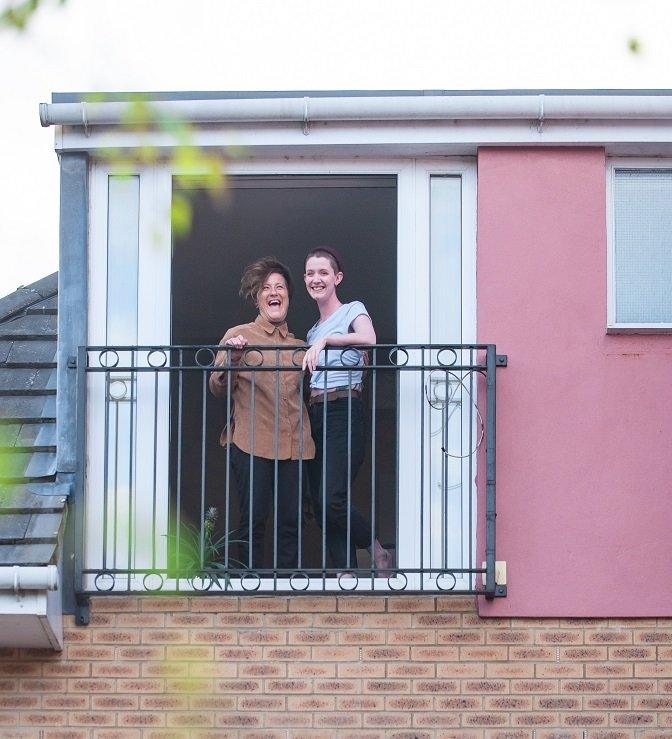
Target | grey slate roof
(32,504)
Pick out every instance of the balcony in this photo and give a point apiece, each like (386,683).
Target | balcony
(162,507)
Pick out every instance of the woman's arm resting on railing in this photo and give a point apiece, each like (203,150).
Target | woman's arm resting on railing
(218,381)
(363,334)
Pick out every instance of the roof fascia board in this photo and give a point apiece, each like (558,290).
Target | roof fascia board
(405,138)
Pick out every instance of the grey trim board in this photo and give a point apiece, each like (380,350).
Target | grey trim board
(72,300)
(78,97)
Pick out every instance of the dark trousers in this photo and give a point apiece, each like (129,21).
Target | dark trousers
(256,490)
(329,483)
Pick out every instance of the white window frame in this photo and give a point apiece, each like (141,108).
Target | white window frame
(413,308)
(613,164)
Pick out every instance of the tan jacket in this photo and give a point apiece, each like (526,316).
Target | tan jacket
(254,434)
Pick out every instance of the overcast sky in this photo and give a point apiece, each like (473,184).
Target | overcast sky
(113,45)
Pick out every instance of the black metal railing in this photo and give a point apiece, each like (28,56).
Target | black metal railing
(162,506)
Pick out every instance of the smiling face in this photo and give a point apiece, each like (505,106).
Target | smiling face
(273,299)
(321,279)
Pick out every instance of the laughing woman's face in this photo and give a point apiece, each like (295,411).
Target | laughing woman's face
(273,299)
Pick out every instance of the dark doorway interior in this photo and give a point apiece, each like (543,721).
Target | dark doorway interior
(285,216)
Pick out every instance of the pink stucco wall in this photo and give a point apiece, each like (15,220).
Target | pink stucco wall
(584,419)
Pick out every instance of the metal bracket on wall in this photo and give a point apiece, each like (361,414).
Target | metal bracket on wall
(502,360)
(500,579)
(82,610)
(72,362)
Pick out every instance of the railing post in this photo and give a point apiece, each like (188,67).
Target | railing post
(490,502)
(82,602)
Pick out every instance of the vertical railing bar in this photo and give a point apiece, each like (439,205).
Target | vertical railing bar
(324,471)
(253,385)
(490,472)
(115,517)
(106,466)
(461,401)
(80,489)
(300,511)
(472,484)
(373,469)
(348,537)
(276,444)
(227,483)
(204,414)
(422,468)
(397,375)
(131,532)
(178,504)
(154,470)
(445,477)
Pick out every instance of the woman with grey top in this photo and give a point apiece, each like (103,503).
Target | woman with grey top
(340,325)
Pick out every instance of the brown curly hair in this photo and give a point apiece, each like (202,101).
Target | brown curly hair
(257,273)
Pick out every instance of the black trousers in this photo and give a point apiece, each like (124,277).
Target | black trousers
(256,488)
(329,484)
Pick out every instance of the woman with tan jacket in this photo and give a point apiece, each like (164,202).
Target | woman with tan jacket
(269,430)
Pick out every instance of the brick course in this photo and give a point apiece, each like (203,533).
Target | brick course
(404,667)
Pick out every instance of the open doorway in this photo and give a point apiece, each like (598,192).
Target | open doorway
(285,216)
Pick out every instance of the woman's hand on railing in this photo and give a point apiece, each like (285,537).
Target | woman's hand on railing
(238,343)
(312,357)
(226,358)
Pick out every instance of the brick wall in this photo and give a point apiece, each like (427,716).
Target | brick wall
(348,666)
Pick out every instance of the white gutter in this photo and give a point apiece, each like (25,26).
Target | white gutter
(31,613)
(19,578)
(535,107)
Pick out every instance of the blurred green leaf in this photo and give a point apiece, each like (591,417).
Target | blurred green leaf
(634,45)
(19,14)
(180,215)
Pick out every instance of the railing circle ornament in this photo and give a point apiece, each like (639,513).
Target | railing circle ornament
(108,358)
(451,581)
(300,352)
(201,582)
(398,356)
(104,582)
(152,582)
(348,580)
(201,362)
(452,357)
(248,360)
(250,582)
(162,358)
(299,581)
(343,356)
(392,581)
(117,389)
